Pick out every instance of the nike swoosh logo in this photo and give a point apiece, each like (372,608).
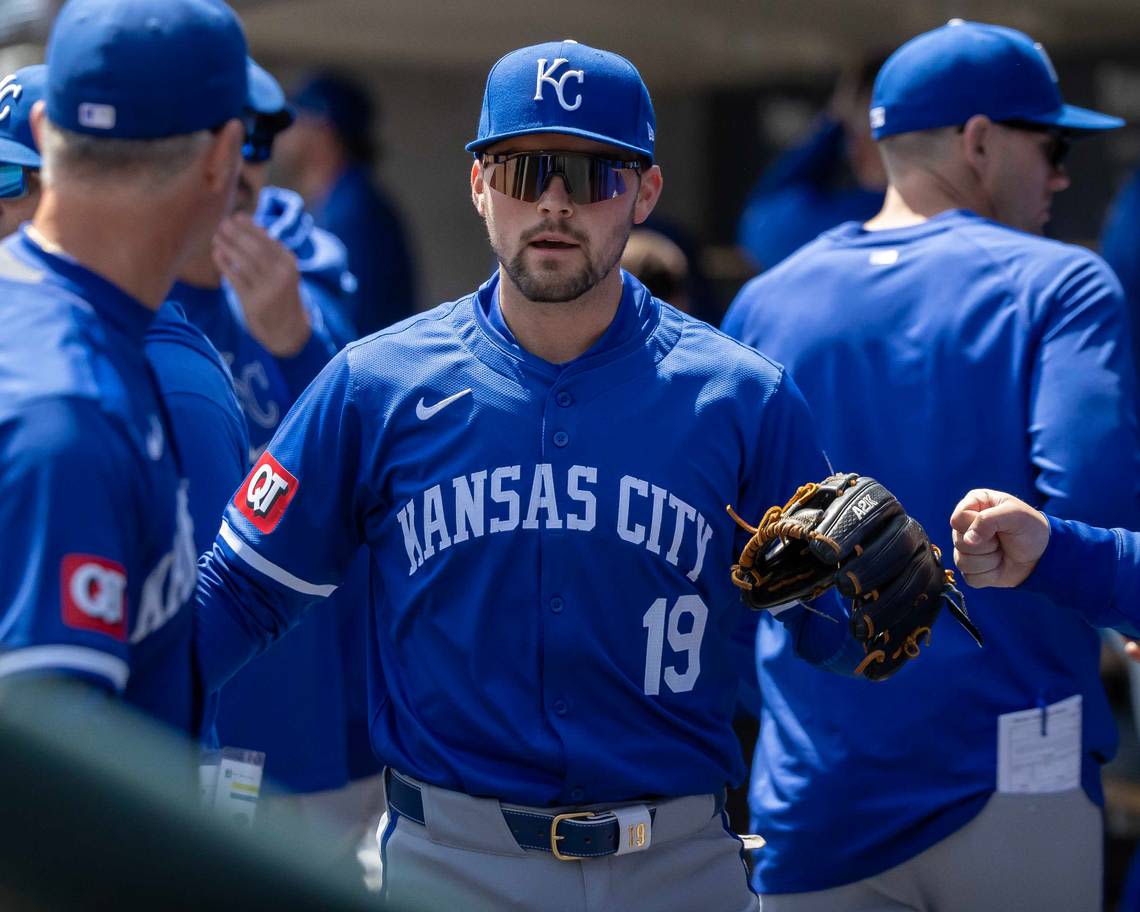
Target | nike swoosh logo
(425,412)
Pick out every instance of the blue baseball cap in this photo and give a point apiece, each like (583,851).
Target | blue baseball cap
(567,87)
(944,77)
(145,69)
(18,92)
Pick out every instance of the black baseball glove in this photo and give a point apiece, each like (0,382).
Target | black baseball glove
(850,532)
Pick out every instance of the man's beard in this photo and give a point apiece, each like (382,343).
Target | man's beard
(551,287)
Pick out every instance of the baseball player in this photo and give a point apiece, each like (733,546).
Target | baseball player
(243,289)
(195,384)
(98,537)
(539,472)
(261,290)
(948,322)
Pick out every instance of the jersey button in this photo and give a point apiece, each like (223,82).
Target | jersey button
(561,707)
(561,438)
(556,604)
(577,795)
(564,399)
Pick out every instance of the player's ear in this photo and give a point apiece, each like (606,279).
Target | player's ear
(976,138)
(222,158)
(36,119)
(477,186)
(648,192)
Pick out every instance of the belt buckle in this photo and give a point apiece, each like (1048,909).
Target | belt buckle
(554,837)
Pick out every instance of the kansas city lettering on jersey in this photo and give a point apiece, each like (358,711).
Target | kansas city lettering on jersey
(509,498)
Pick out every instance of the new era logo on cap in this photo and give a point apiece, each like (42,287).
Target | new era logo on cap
(97,116)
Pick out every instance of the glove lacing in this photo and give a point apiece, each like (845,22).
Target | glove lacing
(950,592)
(772,525)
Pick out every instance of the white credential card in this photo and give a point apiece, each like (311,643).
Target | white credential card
(1039,750)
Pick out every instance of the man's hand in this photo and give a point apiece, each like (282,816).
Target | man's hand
(998,539)
(264,274)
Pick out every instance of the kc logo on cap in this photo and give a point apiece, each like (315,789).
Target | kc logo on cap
(546,74)
(543,89)
(10,90)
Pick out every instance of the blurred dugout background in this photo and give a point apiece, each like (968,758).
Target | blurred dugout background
(734,82)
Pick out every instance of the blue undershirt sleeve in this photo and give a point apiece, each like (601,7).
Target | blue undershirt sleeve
(1093,571)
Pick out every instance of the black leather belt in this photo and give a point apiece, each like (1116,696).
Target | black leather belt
(569,837)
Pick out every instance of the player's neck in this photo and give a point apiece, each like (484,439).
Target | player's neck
(134,253)
(913,204)
(560,332)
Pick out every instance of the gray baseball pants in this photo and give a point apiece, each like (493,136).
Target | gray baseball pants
(464,857)
(1022,852)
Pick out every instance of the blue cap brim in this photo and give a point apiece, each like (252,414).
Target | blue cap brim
(1080,120)
(14,153)
(264,95)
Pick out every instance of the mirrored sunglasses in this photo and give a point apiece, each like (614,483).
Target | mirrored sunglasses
(588,178)
(15,181)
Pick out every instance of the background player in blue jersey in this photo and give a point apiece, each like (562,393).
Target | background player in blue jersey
(196,387)
(98,535)
(329,157)
(266,279)
(244,290)
(539,472)
(942,341)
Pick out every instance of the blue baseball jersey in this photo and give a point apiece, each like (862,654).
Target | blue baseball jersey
(294,695)
(554,620)
(266,385)
(936,358)
(205,417)
(98,540)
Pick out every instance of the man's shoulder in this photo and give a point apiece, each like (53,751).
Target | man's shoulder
(702,349)
(52,342)
(1037,265)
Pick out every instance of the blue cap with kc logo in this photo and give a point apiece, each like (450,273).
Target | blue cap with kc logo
(567,87)
(18,93)
(944,77)
(145,69)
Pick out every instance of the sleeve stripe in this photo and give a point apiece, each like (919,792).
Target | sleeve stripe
(66,658)
(270,569)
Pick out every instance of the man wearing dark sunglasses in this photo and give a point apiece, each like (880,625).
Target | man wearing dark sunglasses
(538,472)
(942,343)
